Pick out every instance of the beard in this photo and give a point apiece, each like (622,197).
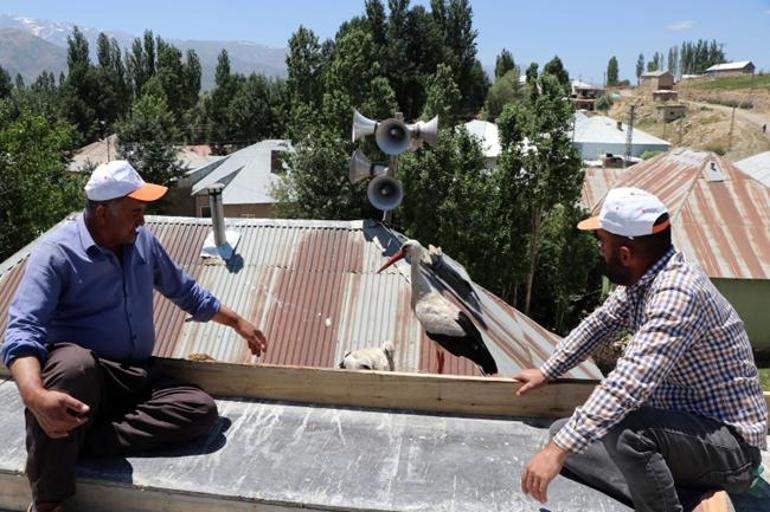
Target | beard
(615,271)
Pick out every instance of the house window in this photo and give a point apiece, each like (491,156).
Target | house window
(276,162)
(205,211)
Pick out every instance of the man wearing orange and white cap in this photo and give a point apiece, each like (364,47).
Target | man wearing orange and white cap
(80,335)
(683,411)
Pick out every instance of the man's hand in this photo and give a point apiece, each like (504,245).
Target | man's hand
(531,378)
(541,469)
(252,335)
(247,330)
(57,413)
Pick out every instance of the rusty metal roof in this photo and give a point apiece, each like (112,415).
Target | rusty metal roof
(596,183)
(312,287)
(720,216)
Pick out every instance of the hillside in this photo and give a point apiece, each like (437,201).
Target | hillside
(706,126)
(22,52)
(729,91)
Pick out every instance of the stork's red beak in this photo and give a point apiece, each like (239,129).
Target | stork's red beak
(399,255)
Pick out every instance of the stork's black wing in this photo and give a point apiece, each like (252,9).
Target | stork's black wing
(470,346)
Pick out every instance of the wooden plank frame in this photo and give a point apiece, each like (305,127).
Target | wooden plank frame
(481,396)
(486,396)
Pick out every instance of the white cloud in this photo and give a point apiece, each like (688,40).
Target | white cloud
(680,25)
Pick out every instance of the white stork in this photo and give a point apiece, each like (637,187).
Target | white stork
(444,323)
(370,358)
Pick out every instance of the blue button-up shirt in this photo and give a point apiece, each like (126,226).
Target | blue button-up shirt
(74,290)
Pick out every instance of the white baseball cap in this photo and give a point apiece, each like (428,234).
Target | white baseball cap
(629,212)
(119,179)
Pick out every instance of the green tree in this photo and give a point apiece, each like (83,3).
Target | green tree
(304,63)
(221,134)
(6,85)
(150,139)
(454,19)
(191,77)
(114,93)
(82,92)
(531,74)
(541,173)
(639,67)
(612,71)
(41,98)
(505,90)
(604,102)
(250,112)
(317,187)
(567,285)
(461,218)
(503,64)
(36,191)
(351,76)
(556,68)
(443,97)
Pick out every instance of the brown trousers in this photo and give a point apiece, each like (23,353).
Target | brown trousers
(134,409)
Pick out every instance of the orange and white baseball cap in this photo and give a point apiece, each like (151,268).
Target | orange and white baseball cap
(119,179)
(629,212)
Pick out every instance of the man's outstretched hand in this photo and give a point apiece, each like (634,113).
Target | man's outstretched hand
(248,331)
(541,469)
(531,378)
(253,336)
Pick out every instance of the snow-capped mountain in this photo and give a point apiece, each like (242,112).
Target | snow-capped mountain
(245,57)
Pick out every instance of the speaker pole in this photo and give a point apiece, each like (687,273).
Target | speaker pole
(387,216)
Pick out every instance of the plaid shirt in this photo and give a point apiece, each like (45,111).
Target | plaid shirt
(690,352)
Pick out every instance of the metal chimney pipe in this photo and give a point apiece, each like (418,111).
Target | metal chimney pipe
(217,213)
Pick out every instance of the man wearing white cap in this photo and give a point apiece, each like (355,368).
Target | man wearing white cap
(80,335)
(682,414)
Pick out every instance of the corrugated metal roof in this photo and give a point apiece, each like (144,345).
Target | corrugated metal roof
(596,183)
(655,74)
(757,166)
(312,287)
(102,151)
(729,66)
(579,84)
(605,129)
(488,135)
(720,216)
(246,174)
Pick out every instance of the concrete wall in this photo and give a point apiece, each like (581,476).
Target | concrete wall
(257,211)
(732,72)
(669,113)
(751,299)
(665,81)
(594,150)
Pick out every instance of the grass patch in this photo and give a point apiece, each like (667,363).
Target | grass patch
(731,103)
(729,83)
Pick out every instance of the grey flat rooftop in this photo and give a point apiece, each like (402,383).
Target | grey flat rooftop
(279,456)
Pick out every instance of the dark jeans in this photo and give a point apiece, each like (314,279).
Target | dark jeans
(134,408)
(661,460)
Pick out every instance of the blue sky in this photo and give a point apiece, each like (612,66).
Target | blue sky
(584,34)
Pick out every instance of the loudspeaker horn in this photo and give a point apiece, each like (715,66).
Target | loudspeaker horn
(385,193)
(361,168)
(425,130)
(362,126)
(392,136)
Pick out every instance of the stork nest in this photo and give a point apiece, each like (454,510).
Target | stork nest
(606,356)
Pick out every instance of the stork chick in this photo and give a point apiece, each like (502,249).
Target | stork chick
(444,323)
(370,358)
